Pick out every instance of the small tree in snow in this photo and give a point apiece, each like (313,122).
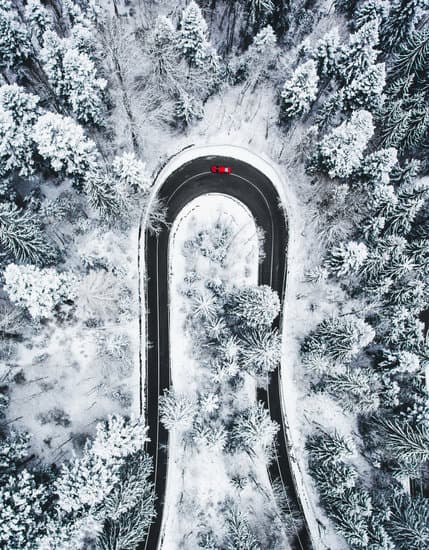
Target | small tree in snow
(255,306)
(177,411)
(103,194)
(239,533)
(62,142)
(371,10)
(188,109)
(347,258)
(300,90)
(39,290)
(341,151)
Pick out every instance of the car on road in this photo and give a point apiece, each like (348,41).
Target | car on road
(216,169)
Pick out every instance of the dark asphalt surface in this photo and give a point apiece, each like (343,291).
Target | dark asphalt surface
(257,192)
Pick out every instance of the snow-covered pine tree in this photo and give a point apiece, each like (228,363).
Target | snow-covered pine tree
(365,90)
(83,89)
(300,90)
(259,58)
(359,54)
(369,10)
(176,411)
(21,237)
(411,57)
(403,17)
(401,441)
(15,44)
(340,338)
(239,534)
(38,17)
(131,173)
(377,166)
(103,194)
(192,38)
(163,52)
(356,389)
(74,77)
(260,351)
(327,53)
(188,109)
(39,290)
(408,523)
(346,258)
(62,142)
(254,306)
(253,430)
(18,113)
(341,151)
(327,448)
(129,507)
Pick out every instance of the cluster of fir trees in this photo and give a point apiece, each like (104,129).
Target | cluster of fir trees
(103,499)
(366,99)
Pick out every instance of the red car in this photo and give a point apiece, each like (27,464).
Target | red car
(220,169)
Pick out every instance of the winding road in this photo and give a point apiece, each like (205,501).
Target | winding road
(258,193)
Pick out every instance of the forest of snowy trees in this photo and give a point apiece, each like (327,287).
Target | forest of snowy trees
(94,97)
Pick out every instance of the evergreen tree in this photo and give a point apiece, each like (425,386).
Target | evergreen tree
(407,444)
(176,411)
(347,258)
(359,54)
(300,90)
(74,77)
(193,38)
(253,430)
(21,237)
(341,151)
(371,10)
(340,338)
(18,114)
(366,89)
(356,389)
(103,195)
(14,41)
(261,351)
(328,448)
(401,21)
(62,142)
(239,534)
(131,173)
(327,53)
(38,18)
(254,306)
(412,56)
(377,166)
(409,522)
(188,109)
(39,290)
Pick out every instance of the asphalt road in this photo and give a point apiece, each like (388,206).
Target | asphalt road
(257,192)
